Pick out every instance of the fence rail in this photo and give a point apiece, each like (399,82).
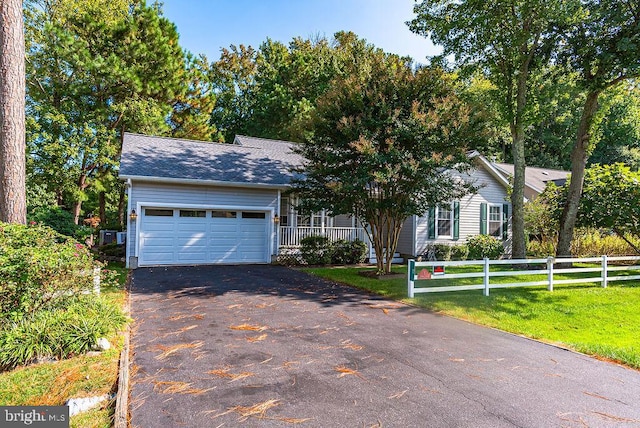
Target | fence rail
(549,269)
(292,236)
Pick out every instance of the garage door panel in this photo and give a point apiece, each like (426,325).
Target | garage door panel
(158,226)
(192,227)
(242,237)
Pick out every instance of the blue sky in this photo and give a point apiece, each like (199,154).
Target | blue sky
(205,26)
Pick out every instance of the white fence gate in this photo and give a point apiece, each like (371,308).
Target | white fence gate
(604,268)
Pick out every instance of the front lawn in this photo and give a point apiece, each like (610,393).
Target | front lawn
(52,383)
(604,322)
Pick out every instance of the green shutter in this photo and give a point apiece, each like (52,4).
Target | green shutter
(456,220)
(483,218)
(505,221)
(431,233)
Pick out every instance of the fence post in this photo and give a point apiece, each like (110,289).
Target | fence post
(604,271)
(96,280)
(410,270)
(486,276)
(550,273)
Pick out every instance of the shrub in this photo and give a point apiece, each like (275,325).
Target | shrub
(588,242)
(540,248)
(72,328)
(113,249)
(348,252)
(37,267)
(316,250)
(481,246)
(459,252)
(442,251)
(59,220)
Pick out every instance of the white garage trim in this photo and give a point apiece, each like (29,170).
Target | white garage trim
(270,211)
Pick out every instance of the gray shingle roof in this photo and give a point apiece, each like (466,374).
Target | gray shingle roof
(535,178)
(254,161)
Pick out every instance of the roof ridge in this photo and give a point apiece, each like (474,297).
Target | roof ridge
(266,139)
(136,134)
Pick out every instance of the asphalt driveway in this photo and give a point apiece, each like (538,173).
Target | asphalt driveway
(270,346)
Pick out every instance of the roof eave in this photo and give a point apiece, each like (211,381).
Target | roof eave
(201,182)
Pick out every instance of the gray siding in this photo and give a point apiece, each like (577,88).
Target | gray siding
(176,195)
(406,239)
(342,220)
(492,192)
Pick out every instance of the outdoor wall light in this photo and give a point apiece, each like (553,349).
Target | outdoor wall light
(276,219)
(133,216)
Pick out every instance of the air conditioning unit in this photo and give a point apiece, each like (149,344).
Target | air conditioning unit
(107,237)
(121,238)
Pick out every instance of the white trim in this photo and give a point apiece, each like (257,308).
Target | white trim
(269,217)
(451,219)
(276,227)
(489,205)
(201,182)
(129,185)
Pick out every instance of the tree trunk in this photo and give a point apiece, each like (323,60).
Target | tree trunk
(579,157)
(102,202)
(13,205)
(518,241)
(77,204)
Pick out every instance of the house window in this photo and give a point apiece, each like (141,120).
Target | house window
(193,213)
(253,215)
(154,212)
(285,207)
(444,221)
(223,214)
(494,220)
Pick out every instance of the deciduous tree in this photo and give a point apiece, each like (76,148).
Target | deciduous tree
(385,138)
(604,49)
(502,39)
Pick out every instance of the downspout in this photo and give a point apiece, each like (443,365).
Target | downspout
(277,225)
(128,252)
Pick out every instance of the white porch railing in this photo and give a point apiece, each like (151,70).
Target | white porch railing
(599,265)
(291,236)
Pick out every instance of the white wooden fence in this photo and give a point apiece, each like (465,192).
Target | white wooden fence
(604,268)
(292,236)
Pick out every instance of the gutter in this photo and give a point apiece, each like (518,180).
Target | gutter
(200,182)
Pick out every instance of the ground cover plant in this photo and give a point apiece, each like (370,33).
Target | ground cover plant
(604,322)
(52,383)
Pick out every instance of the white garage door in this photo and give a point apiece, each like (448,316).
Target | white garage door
(190,236)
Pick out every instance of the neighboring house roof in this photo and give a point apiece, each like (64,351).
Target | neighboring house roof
(535,178)
(249,161)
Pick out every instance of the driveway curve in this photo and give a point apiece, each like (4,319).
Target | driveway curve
(269,346)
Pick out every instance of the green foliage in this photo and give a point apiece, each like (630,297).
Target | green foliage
(348,252)
(611,199)
(59,220)
(383,135)
(112,249)
(90,75)
(442,251)
(271,92)
(459,252)
(319,250)
(316,250)
(484,246)
(71,328)
(589,242)
(38,267)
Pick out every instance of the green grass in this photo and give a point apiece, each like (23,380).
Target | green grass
(604,322)
(82,376)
